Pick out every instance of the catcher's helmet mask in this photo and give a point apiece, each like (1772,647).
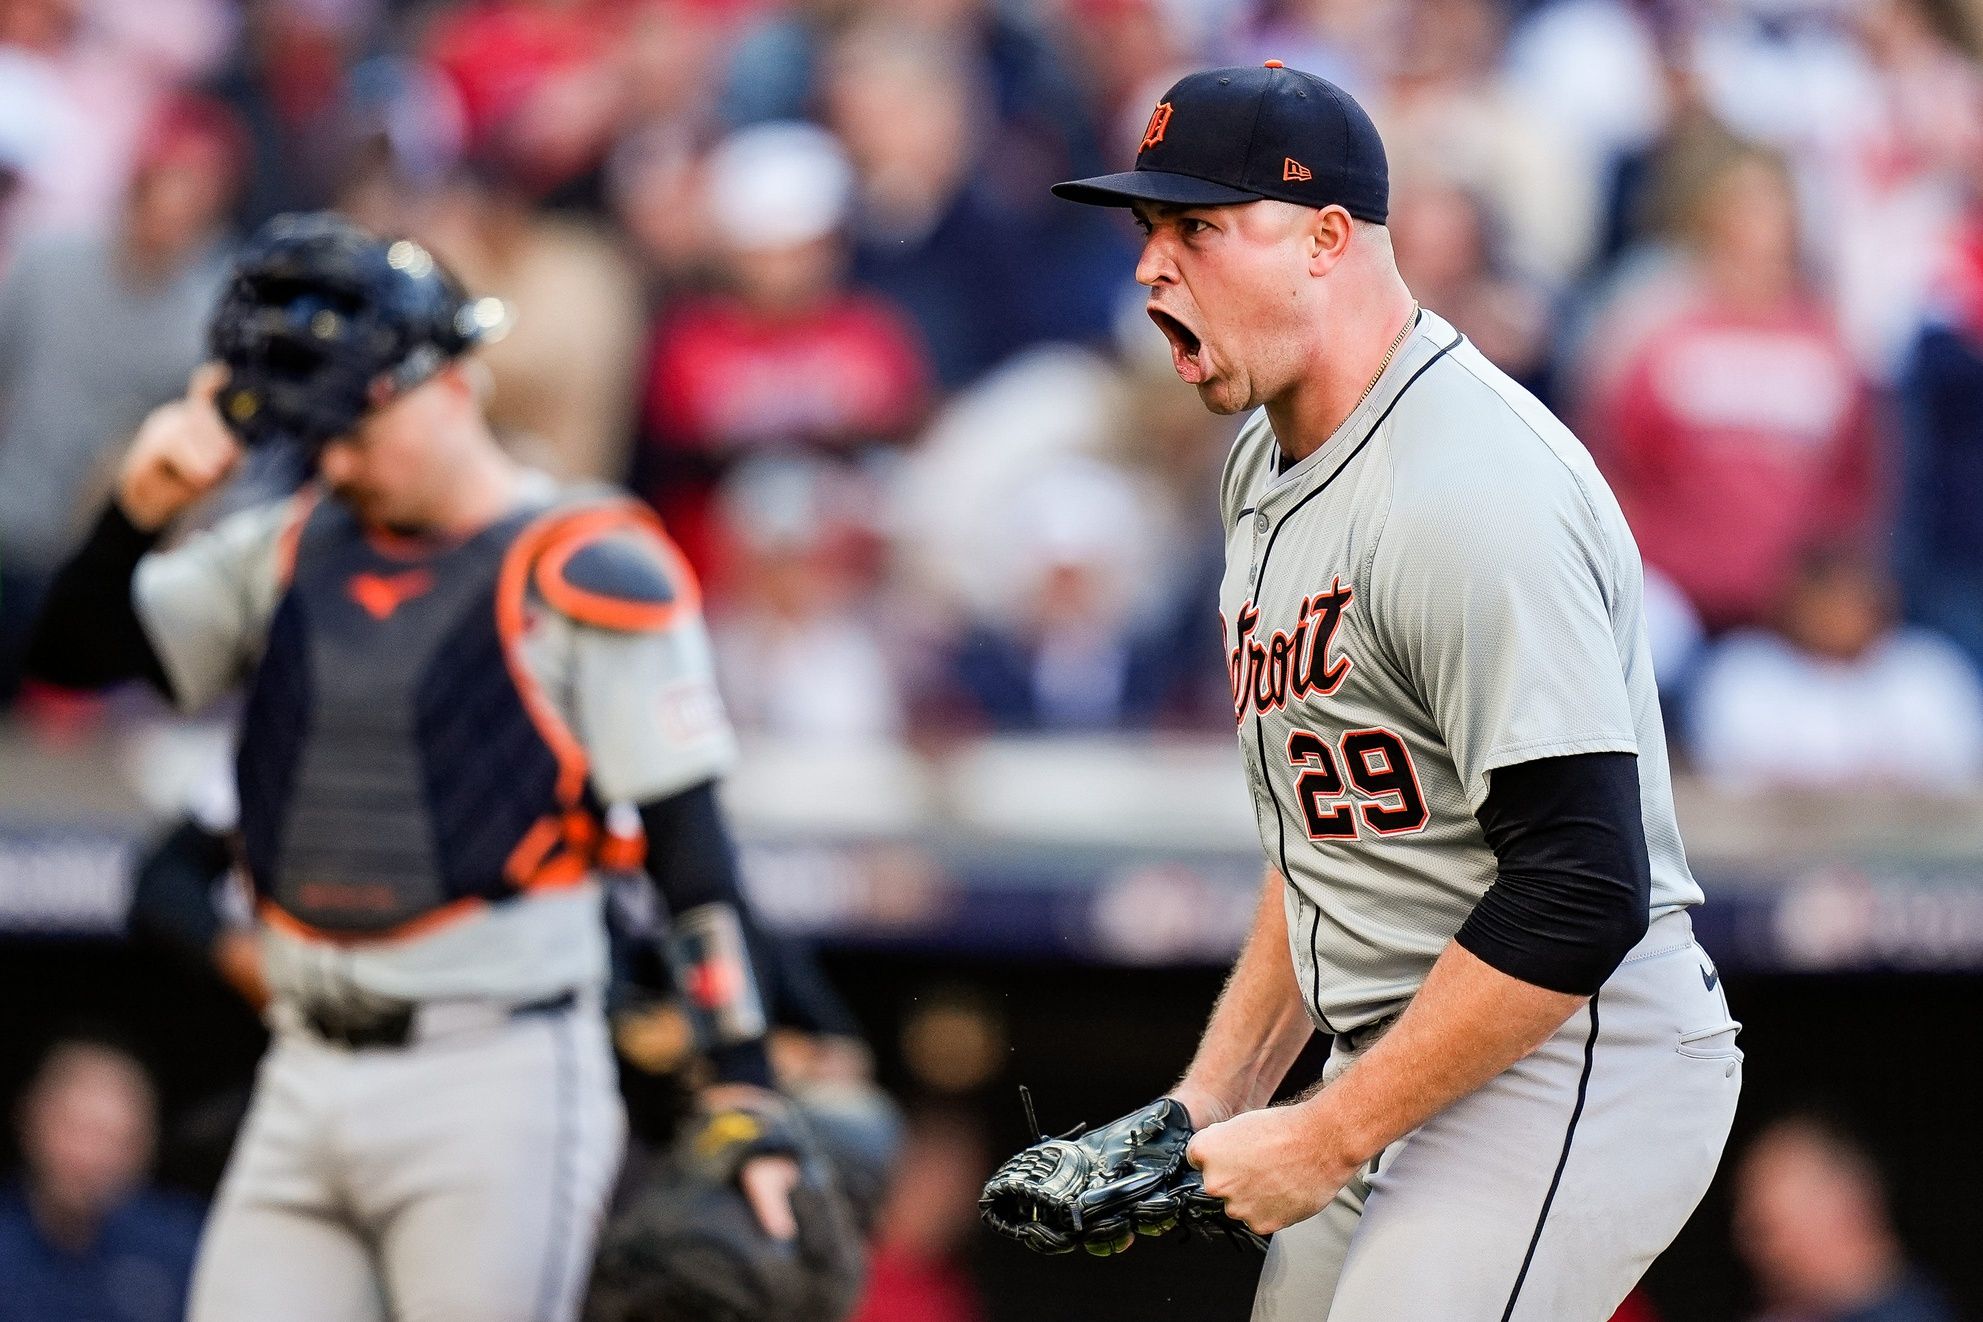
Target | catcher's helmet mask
(324,322)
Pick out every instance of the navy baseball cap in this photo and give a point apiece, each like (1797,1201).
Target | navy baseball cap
(1238,135)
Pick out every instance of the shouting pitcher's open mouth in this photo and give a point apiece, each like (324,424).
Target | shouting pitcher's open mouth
(1185,345)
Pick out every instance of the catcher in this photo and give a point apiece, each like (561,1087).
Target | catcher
(450,665)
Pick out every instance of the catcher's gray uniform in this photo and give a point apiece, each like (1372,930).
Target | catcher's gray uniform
(1444,588)
(459,1177)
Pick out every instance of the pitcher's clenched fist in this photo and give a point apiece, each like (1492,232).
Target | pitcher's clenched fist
(1271,1167)
(183,451)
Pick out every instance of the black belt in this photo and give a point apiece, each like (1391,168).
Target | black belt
(392,1026)
(1356,1039)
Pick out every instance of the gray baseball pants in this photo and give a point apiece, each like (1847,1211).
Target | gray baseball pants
(1545,1195)
(459,1178)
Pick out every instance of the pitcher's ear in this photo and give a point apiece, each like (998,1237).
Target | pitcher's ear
(1330,231)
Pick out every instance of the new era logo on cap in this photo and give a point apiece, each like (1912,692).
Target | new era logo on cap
(1228,136)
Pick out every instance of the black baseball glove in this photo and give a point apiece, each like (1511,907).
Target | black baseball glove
(689,1249)
(1099,1190)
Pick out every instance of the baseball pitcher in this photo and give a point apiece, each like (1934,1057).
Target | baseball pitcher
(1446,712)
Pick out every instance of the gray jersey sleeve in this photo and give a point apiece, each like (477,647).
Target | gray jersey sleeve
(1493,599)
(639,686)
(647,711)
(205,604)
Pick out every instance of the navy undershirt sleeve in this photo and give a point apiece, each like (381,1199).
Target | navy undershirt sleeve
(689,853)
(88,635)
(693,862)
(1575,884)
(172,889)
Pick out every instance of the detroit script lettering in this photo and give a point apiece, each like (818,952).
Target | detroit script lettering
(1265,675)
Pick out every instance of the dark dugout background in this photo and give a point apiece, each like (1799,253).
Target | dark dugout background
(1894,1055)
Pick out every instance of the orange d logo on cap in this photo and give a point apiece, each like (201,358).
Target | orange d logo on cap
(1160,119)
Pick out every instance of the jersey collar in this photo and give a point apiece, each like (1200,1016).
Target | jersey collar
(1426,339)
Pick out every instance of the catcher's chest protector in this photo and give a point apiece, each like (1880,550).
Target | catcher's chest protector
(396,764)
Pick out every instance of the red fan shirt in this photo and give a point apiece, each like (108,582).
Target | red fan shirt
(1733,443)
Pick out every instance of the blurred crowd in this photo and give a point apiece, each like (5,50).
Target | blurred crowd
(791,271)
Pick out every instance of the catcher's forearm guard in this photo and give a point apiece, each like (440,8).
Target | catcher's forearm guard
(712,968)
(1099,1190)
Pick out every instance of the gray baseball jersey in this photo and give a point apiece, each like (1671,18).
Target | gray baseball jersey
(642,703)
(463,1173)
(1445,587)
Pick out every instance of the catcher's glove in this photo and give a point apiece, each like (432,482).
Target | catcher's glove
(1100,1190)
(689,1249)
